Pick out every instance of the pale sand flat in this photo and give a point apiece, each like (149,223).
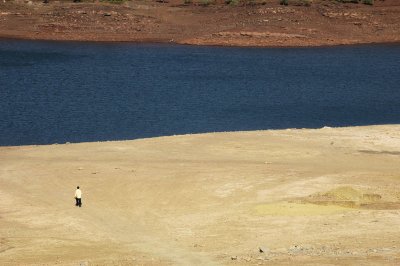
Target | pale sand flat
(210,199)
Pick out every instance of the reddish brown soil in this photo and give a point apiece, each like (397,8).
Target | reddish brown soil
(324,22)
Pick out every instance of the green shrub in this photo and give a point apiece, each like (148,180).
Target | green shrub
(348,1)
(207,2)
(252,2)
(232,2)
(113,1)
(284,2)
(186,2)
(368,2)
(303,2)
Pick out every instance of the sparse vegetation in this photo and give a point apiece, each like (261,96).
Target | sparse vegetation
(187,2)
(303,2)
(368,2)
(113,1)
(348,1)
(252,2)
(232,2)
(207,2)
(296,2)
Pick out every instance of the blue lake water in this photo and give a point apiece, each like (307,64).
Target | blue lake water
(53,92)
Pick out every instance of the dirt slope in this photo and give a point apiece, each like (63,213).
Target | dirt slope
(327,196)
(249,23)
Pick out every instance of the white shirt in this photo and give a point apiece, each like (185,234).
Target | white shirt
(78,194)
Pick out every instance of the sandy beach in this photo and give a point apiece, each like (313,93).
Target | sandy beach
(327,196)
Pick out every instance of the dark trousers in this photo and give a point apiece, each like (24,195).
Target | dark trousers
(78,202)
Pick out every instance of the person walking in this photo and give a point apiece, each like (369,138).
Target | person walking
(78,197)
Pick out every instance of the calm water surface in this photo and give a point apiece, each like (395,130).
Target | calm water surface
(72,92)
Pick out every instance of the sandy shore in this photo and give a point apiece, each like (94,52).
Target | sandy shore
(326,196)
